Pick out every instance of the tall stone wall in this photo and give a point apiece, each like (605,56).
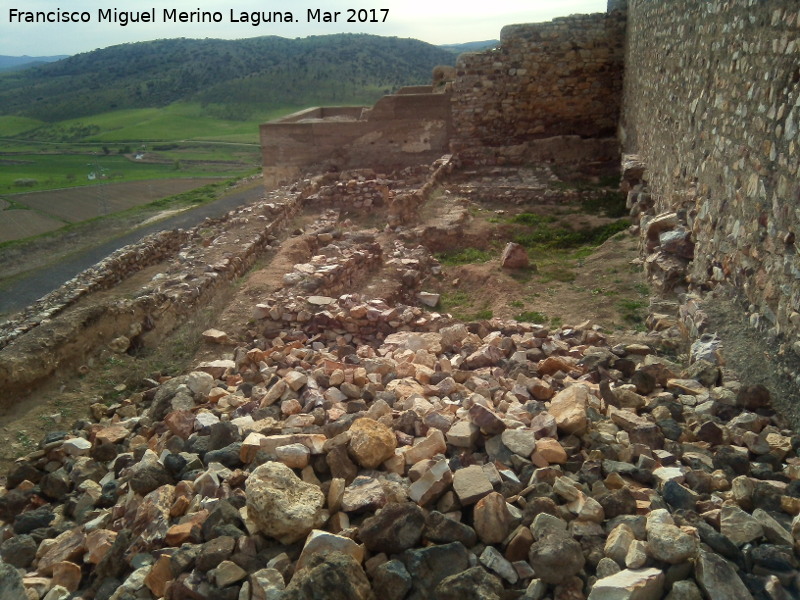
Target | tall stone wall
(563,77)
(712,107)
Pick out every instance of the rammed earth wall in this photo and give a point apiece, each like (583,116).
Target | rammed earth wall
(712,106)
(559,78)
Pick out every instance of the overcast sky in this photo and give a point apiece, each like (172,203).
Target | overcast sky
(434,21)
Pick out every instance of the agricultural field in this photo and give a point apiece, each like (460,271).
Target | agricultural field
(39,212)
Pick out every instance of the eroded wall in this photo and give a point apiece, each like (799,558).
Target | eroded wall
(712,106)
(560,78)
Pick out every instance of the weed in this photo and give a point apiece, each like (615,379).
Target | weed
(25,441)
(631,310)
(531,316)
(516,304)
(556,322)
(642,289)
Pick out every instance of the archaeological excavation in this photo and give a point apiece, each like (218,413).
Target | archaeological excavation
(526,334)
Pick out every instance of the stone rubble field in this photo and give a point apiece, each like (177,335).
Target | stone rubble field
(368,450)
(362,447)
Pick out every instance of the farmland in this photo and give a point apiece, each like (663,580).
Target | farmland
(39,212)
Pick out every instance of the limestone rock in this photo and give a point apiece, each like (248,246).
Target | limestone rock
(670,544)
(568,408)
(471,484)
(519,441)
(739,526)
(371,442)
(630,584)
(492,518)
(281,505)
(514,256)
(392,579)
(429,566)
(323,542)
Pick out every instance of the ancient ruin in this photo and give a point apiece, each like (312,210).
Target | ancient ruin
(338,431)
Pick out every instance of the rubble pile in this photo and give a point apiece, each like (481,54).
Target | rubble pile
(421,459)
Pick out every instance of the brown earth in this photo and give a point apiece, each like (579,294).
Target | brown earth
(602,285)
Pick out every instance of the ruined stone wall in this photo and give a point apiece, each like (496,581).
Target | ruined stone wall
(563,77)
(401,130)
(712,106)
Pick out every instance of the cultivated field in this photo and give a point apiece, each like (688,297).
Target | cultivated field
(39,212)
(20,223)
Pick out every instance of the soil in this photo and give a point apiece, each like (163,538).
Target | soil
(568,287)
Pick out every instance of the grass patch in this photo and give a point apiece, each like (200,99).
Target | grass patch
(632,311)
(532,219)
(460,305)
(611,204)
(564,238)
(531,316)
(55,171)
(450,300)
(464,257)
(482,315)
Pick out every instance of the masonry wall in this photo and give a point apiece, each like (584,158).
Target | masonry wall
(401,130)
(563,77)
(712,106)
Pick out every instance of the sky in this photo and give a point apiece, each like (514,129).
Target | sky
(433,21)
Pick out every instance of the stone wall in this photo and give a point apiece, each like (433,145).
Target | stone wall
(558,78)
(405,129)
(712,107)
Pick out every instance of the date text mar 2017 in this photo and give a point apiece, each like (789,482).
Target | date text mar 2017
(351,15)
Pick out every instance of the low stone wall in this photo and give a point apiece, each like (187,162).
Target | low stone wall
(108,272)
(67,341)
(353,194)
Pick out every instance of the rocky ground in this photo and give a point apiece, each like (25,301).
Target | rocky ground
(345,440)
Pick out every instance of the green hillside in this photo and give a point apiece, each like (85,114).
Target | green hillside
(231,79)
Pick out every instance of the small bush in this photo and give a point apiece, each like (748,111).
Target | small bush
(26,182)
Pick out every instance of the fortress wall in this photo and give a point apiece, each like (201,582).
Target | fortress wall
(399,131)
(563,77)
(712,107)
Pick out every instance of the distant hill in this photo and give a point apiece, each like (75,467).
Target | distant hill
(470,46)
(231,77)
(16,63)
